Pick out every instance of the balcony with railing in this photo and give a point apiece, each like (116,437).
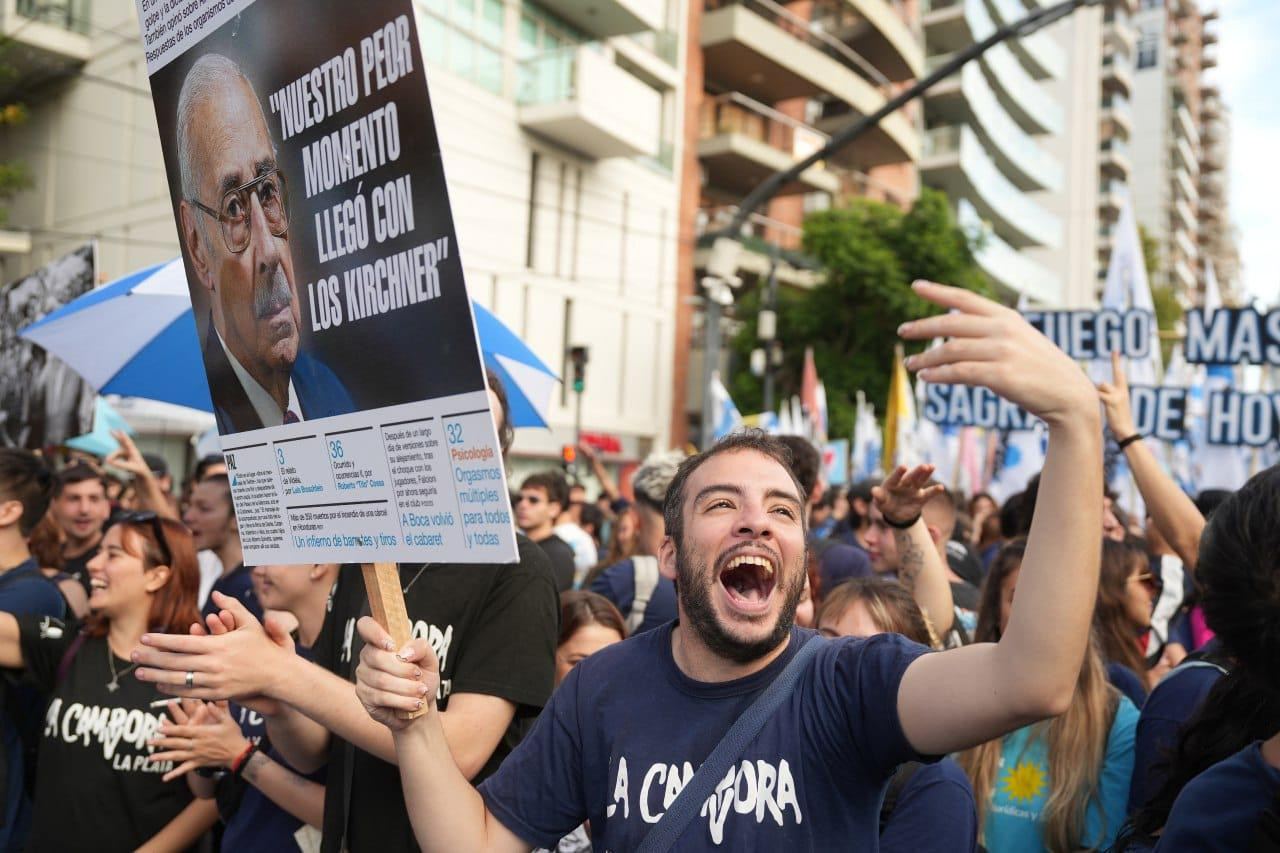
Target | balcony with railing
(1009,268)
(1117,73)
(1182,181)
(952,26)
(1184,213)
(1116,115)
(876,31)
(1113,157)
(1120,36)
(769,53)
(1111,198)
(956,162)
(604,18)
(1184,126)
(1186,245)
(1038,52)
(580,99)
(1183,275)
(1185,156)
(967,98)
(742,142)
(42,40)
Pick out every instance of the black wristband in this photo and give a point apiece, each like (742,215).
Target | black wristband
(237,770)
(898,525)
(1125,442)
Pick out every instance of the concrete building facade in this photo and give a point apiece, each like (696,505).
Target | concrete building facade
(771,82)
(1175,48)
(1005,139)
(561,130)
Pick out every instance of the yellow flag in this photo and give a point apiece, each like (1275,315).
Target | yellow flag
(900,415)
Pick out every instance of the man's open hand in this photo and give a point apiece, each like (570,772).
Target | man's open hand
(994,347)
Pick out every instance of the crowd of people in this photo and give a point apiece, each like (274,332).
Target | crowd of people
(722,653)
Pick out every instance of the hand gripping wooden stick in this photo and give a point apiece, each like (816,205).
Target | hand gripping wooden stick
(386,603)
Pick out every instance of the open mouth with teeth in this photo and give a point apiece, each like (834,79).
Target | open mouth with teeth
(749,581)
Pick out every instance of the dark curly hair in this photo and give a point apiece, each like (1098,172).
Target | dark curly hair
(1238,569)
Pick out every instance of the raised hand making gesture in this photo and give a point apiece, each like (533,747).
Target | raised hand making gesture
(903,494)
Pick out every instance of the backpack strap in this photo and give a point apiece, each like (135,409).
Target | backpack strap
(897,784)
(64,665)
(666,832)
(646,575)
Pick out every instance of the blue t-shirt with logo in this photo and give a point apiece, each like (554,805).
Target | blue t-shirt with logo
(1022,786)
(624,732)
(1219,810)
(618,584)
(258,823)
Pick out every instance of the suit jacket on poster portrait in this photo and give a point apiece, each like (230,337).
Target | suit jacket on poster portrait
(320,393)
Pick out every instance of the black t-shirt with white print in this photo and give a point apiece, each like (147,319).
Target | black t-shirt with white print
(95,790)
(493,628)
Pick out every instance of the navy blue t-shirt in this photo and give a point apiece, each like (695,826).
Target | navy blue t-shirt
(1219,809)
(618,584)
(622,735)
(1127,682)
(24,590)
(239,585)
(259,824)
(935,812)
(1169,706)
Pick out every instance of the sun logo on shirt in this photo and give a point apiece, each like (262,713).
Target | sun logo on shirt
(1024,782)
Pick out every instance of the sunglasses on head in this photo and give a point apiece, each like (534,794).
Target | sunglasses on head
(152,519)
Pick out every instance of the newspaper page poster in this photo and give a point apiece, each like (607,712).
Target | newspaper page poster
(336,331)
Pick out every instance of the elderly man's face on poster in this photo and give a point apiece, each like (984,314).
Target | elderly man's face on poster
(244,260)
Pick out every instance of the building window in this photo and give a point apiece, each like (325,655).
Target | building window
(466,37)
(1148,47)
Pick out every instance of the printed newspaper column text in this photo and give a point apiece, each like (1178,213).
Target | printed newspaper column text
(477,480)
(427,520)
(256,495)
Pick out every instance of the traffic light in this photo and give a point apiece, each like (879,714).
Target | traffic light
(568,456)
(578,357)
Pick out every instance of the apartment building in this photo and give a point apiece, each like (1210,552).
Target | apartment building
(1175,48)
(770,85)
(1005,138)
(1219,237)
(560,124)
(1116,124)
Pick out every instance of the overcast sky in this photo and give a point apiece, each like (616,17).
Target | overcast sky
(1248,73)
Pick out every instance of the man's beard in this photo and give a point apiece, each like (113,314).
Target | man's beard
(694,591)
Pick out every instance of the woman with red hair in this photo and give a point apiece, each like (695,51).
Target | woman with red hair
(97,788)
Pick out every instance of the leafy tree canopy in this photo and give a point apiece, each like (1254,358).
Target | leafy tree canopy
(869,252)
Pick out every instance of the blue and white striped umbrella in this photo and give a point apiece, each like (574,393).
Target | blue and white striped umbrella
(136,337)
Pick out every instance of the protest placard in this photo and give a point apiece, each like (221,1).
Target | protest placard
(336,330)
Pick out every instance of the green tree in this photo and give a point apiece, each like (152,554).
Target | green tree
(13,173)
(1168,308)
(869,252)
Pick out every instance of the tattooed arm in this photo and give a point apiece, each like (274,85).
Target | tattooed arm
(900,498)
(297,795)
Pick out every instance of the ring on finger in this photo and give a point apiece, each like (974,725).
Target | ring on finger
(191,679)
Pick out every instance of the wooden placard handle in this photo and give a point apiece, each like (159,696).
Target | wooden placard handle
(386,603)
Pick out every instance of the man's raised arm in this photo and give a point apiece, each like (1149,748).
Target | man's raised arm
(991,689)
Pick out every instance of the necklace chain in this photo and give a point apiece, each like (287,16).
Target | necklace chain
(114,684)
(414,579)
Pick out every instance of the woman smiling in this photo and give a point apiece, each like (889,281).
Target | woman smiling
(96,787)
